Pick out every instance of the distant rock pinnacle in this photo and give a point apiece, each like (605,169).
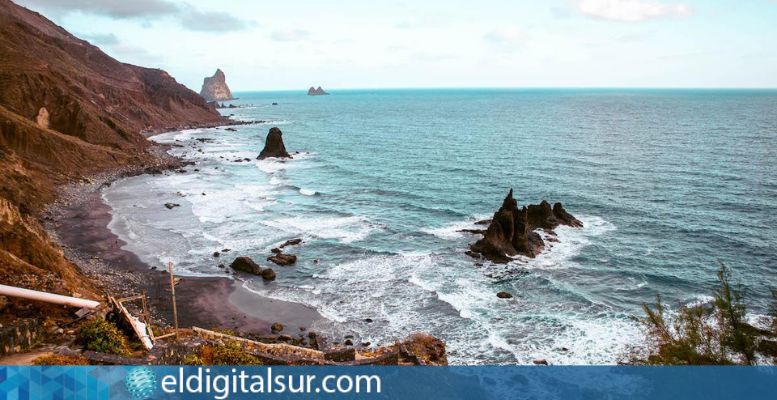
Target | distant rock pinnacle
(215,88)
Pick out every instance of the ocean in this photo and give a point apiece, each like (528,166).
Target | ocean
(669,184)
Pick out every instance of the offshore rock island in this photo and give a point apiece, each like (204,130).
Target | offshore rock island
(273,146)
(316,91)
(215,88)
(511,231)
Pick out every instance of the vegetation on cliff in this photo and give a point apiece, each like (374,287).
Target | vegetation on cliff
(710,334)
(102,336)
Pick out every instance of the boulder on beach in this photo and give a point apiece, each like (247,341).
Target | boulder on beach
(511,231)
(273,145)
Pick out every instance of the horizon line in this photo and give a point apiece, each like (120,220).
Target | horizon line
(521,88)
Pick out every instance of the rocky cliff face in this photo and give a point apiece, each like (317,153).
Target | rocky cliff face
(67,110)
(215,88)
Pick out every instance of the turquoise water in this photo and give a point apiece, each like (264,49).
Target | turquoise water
(668,183)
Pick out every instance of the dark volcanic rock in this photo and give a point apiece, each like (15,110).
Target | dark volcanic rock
(246,264)
(512,230)
(564,217)
(291,242)
(268,274)
(273,145)
(283,259)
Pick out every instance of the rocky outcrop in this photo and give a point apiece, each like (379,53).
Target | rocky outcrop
(511,232)
(215,87)
(282,259)
(424,349)
(248,266)
(273,145)
(316,91)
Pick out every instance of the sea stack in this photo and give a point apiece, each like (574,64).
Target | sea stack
(273,145)
(215,88)
(316,91)
(511,232)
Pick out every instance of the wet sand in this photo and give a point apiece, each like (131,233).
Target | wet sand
(207,302)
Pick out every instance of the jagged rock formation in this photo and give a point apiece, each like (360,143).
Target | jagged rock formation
(215,87)
(273,145)
(512,230)
(316,91)
(66,110)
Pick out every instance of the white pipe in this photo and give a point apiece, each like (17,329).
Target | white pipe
(47,297)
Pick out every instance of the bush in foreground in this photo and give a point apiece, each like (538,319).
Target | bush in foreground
(709,334)
(102,336)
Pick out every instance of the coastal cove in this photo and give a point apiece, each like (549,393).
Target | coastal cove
(382,182)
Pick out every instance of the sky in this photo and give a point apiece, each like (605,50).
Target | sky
(290,44)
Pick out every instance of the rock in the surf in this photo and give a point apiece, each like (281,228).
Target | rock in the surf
(504,295)
(283,259)
(247,265)
(273,145)
(268,274)
(511,231)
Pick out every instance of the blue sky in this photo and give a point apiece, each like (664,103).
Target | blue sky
(291,44)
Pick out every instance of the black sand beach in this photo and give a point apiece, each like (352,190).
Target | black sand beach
(80,222)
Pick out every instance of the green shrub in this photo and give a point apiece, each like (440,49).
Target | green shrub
(712,334)
(103,336)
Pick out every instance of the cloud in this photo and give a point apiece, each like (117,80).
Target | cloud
(289,35)
(505,35)
(631,10)
(188,16)
(211,21)
(110,8)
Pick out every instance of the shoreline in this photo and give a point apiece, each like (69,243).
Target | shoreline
(78,222)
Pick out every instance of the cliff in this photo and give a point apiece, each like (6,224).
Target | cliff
(68,110)
(215,88)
